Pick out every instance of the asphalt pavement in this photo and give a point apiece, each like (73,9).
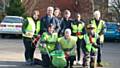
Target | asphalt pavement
(12,54)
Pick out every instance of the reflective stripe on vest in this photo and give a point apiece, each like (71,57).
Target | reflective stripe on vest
(30,28)
(50,39)
(78,29)
(99,27)
(37,30)
(68,44)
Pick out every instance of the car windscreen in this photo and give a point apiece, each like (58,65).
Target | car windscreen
(12,20)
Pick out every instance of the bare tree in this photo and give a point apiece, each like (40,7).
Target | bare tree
(116,8)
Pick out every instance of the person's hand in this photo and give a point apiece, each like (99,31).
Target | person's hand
(78,33)
(67,53)
(44,45)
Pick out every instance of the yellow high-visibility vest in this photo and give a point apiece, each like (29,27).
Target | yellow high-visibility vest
(78,29)
(99,27)
(30,29)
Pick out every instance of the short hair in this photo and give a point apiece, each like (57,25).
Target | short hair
(68,30)
(56,8)
(51,25)
(50,7)
(67,11)
(97,12)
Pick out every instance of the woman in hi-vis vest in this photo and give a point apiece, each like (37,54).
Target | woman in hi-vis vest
(30,30)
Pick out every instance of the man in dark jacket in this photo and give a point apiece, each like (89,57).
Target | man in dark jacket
(49,19)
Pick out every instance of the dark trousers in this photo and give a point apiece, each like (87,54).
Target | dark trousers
(46,60)
(79,45)
(29,49)
(70,61)
(99,55)
(93,58)
(99,51)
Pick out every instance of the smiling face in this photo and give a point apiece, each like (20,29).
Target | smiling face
(97,15)
(67,33)
(51,28)
(50,11)
(67,14)
(36,14)
(57,12)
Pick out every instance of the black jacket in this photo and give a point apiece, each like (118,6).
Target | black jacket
(46,20)
(64,25)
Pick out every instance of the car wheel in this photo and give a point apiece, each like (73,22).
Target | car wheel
(2,36)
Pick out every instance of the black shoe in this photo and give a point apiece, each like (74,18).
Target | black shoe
(99,65)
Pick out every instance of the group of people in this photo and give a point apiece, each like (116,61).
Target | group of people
(81,42)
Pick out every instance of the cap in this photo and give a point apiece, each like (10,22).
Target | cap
(90,26)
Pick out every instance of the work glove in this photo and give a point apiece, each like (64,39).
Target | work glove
(90,38)
(43,45)
(35,40)
(78,33)
(67,54)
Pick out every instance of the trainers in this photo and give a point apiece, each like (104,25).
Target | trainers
(99,65)
(75,62)
(29,62)
(79,62)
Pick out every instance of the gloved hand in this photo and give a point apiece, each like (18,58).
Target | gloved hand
(78,33)
(35,40)
(90,38)
(43,45)
(67,53)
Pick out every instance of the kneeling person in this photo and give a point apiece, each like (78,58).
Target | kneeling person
(68,45)
(90,48)
(48,43)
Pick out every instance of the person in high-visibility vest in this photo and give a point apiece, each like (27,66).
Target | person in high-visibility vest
(68,45)
(48,43)
(90,48)
(78,29)
(30,30)
(100,29)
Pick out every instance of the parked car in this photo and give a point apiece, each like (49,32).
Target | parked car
(11,25)
(112,31)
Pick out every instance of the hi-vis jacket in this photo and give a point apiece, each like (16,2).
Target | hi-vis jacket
(99,29)
(50,40)
(100,26)
(68,44)
(89,46)
(30,29)
(78,27)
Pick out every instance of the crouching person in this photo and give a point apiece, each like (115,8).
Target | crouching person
(90,48)
(47,45)
(68,45)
